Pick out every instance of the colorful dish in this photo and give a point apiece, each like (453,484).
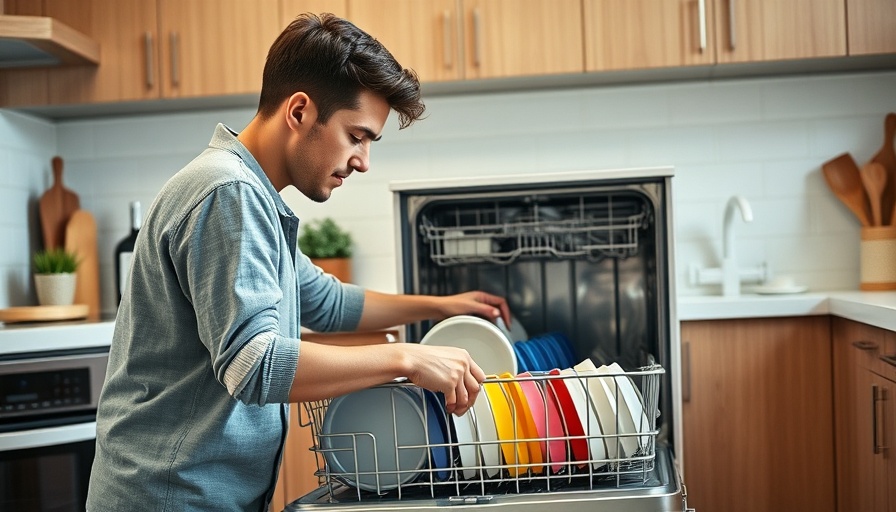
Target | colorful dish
(378,467)
(525,423)
(548,422)
(516,454)
(481,338)
(437,431)
(572,425)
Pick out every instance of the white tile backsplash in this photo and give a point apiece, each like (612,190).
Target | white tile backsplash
(762,138)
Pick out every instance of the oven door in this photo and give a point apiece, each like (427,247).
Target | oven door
(47,469)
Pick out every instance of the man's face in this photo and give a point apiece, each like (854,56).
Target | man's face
(330,152)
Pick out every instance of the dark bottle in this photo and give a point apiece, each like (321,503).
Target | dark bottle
(125,250)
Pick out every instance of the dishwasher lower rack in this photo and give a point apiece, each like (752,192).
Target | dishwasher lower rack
(399,446)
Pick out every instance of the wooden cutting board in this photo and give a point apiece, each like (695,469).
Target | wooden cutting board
(43,313)
(80,238)
(55,208)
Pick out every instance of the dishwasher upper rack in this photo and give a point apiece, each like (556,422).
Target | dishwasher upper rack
(589,473)
(497,234)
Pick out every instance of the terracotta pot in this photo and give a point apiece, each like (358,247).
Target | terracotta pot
(339,267)
(55,289)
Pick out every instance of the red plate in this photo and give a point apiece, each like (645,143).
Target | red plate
(570,417)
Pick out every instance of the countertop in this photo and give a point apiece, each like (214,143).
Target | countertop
(873,308)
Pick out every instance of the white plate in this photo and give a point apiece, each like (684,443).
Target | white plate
(482,339)
(779,290)
(637,417)
(604,405)
(465,429)
(588,417)
(516,332)
(487,433)
(361,417)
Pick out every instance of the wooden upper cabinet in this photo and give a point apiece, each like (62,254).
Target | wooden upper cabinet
(128,68)
(422,35)
(510,38)
(638,34)
(872,26)
(763,30)
(215,47)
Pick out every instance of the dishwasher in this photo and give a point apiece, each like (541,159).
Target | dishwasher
(588,254)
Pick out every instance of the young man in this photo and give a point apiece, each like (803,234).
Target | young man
(206,352)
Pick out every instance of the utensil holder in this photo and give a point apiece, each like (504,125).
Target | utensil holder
(878,258)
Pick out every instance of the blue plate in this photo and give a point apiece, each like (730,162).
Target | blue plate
(566,347)
(544,359)
(438,433)
(523,362)
(537,363)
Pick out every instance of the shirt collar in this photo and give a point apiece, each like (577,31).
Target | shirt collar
(225,138)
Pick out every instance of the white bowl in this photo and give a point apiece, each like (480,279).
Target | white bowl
(480,338)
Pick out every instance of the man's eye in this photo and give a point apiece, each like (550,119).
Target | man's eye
(356,140)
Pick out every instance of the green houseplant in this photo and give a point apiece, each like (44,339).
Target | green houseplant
(329,247)
(54,276)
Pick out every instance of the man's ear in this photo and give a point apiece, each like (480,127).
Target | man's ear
(300,111)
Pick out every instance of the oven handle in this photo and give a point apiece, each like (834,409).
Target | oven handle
(50,436)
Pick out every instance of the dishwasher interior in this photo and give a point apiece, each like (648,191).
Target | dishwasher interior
(584,254)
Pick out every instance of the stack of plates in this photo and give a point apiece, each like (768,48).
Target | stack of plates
(544,353)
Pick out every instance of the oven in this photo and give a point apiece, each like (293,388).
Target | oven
(48,404)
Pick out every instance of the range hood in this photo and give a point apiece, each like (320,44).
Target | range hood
(39,41)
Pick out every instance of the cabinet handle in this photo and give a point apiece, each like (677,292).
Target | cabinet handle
(878,395)
(448,57)
(701,20)
(865,345)
(175,55)
(477,38)
(150,60)
(686,372)
(890,360)
(731,35)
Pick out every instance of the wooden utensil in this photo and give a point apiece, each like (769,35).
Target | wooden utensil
(874,177)
(886,156)
(80,238)
(842,176)
(56,207)
(43,313)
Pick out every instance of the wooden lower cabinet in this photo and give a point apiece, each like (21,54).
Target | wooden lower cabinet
(757,414)
(865,416)
(296,476)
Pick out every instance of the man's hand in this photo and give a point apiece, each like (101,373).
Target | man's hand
(476,303)
(449,370)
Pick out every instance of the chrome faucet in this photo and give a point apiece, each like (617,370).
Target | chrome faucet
(730,271)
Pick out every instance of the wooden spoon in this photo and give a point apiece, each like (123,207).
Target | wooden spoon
(874,177)
(842,176)
(56,207)
(886,156)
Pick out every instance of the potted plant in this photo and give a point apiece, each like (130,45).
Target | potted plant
(54,277)
(328,246)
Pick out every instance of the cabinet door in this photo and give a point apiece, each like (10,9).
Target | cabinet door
(423,36)
(761,30)
(872,26)
(637,34)
(884,433)
(855,346)
(757,414)
(129,65)
(215,47)
(509,38)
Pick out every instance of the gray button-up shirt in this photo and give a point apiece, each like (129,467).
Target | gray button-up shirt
(193,412)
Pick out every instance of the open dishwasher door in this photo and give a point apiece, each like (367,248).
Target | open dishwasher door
(586,254)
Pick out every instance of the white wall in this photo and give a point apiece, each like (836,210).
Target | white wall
(762,138)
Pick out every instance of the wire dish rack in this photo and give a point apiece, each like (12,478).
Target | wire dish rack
(396,441)
(495,234)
